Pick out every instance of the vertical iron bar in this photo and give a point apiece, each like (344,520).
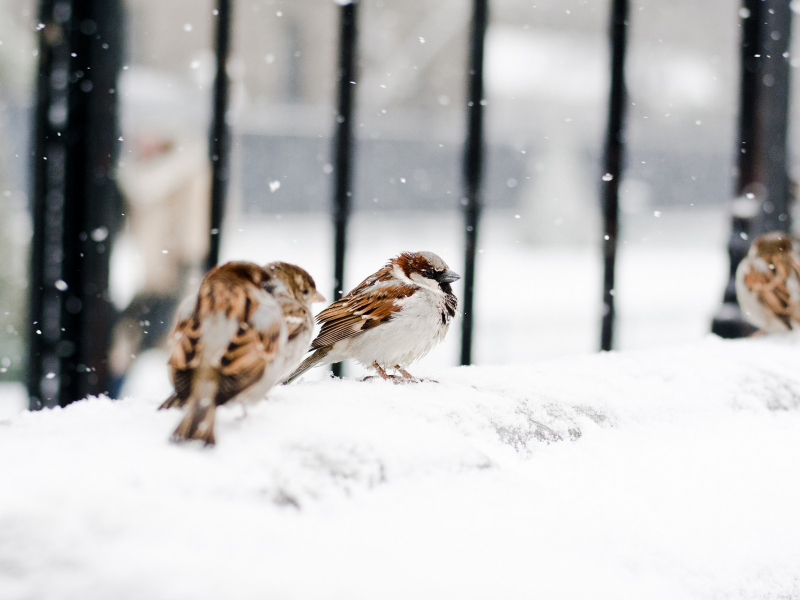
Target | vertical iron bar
(343,146)
(773,119)
(42,392)
(473,169)
(219,140)
(613,163)
(750,72)
(762,184)
(76,205)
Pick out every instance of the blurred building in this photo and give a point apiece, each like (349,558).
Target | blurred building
(546,80)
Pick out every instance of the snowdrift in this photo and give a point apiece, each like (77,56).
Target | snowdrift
(670,473)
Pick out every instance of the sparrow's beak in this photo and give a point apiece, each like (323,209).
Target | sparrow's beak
(317,297)
(448,277)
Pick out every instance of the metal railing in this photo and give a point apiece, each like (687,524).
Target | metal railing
(72,212)
(613,162)
(219,138)
(76,206)
(762,192)
(343,146)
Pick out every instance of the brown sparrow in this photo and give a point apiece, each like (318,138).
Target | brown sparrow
(227,346)
(393,318)
(768,283)
(295,295)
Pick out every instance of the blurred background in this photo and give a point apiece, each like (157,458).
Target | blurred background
(539,270)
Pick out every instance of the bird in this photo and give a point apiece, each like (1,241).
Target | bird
(768,283)
(392,318)
(295,296)
(227,344)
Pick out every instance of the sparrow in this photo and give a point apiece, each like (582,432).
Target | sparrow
(768,283)
(392,318)
(295,295)
(227,344)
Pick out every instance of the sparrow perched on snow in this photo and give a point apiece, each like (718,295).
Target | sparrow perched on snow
(295,296)
(394,317)
(227,346)
(768,283)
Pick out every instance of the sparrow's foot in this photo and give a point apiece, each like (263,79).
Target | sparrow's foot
(392,378)
(384,375)
(407,377)
(244,412)
(758,333)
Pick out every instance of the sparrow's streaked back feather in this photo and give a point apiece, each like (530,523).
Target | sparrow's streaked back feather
(768,283)
(225,348)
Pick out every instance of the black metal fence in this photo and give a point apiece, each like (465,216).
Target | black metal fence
(762,201)
(76,207)
(75,202)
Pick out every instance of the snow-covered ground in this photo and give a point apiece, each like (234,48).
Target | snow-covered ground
(664,473)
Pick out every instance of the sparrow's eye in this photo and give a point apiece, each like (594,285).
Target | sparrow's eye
(429,273)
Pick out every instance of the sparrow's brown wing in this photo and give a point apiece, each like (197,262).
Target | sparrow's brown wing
(364,308)
(771,288)
(251,351)
(382,274)
(185,357)
(253,347)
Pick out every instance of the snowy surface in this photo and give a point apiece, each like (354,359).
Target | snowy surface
(662,473)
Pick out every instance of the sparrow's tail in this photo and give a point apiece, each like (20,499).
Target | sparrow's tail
(316,359)
(171,402)
(198,424)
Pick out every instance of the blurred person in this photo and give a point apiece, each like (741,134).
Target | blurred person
(165,185)
(164,177)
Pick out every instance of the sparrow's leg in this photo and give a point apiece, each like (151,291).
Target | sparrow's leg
(382,373)
(406,374)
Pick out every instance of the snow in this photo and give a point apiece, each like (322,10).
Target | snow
(657,473)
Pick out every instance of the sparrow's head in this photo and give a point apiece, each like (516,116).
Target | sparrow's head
(296,280)
(427,269)
(241,272)
(770,244)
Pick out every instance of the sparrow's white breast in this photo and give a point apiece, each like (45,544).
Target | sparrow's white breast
(296,348)
(411,333)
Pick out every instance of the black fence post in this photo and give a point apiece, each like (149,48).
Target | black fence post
(219,139)
(473,169)
(76,207)
(613,163)
(763,194)
(343,146)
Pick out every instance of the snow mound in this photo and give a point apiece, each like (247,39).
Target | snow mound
(662,474)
